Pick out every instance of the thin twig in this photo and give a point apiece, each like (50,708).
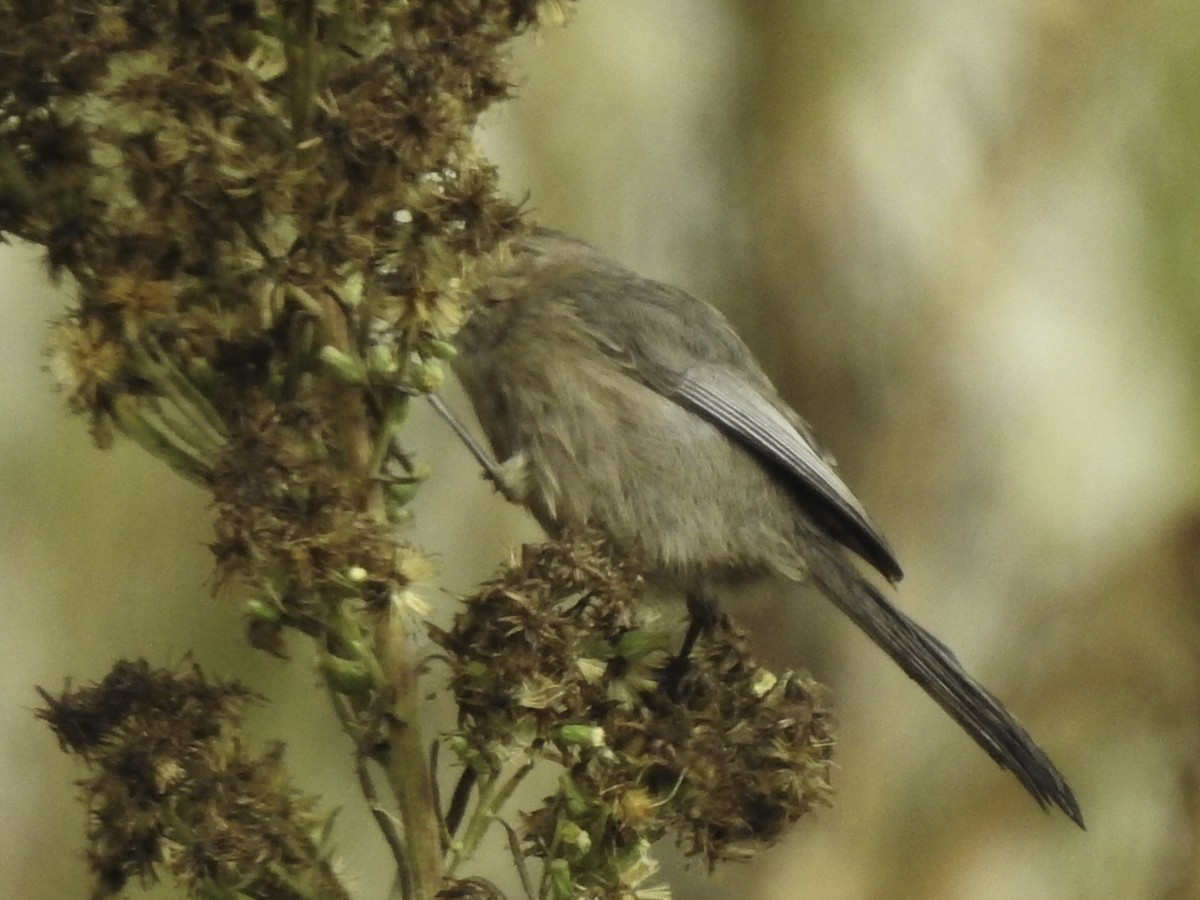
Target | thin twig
(191,400)
(460,798)
(490,803)
(514,847)
(434,753)
(384,819)
(366,784)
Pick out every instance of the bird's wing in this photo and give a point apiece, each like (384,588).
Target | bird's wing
(741,410)
(718,380)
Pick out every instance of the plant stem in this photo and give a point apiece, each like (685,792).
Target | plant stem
(490,802)
(403,759)
(366,784)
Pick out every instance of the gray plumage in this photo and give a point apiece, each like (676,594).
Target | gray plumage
(629,405)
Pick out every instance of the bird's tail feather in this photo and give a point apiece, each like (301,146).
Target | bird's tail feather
(932,665)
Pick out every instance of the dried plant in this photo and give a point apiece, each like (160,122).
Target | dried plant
(272,215)
(562,659)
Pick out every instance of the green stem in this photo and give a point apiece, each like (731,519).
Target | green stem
(177,387)
(160,438)
(383,819)
(489,806)
(404,760)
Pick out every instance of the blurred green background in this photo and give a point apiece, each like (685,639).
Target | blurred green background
(963,240)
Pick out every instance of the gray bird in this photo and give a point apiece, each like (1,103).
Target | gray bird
(625,404)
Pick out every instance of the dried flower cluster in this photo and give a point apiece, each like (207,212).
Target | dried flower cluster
(209,170)
(272,211)
(562,659)
(173,792)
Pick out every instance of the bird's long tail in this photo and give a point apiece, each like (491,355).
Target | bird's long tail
(935,668)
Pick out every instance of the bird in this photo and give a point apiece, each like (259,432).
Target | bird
(617,402)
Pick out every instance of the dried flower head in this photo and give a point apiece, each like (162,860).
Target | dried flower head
(562,658)
(174,792)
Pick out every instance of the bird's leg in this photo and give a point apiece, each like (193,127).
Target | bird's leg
(703,614)
(503,476)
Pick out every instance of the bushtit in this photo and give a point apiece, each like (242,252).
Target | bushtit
(628,405)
